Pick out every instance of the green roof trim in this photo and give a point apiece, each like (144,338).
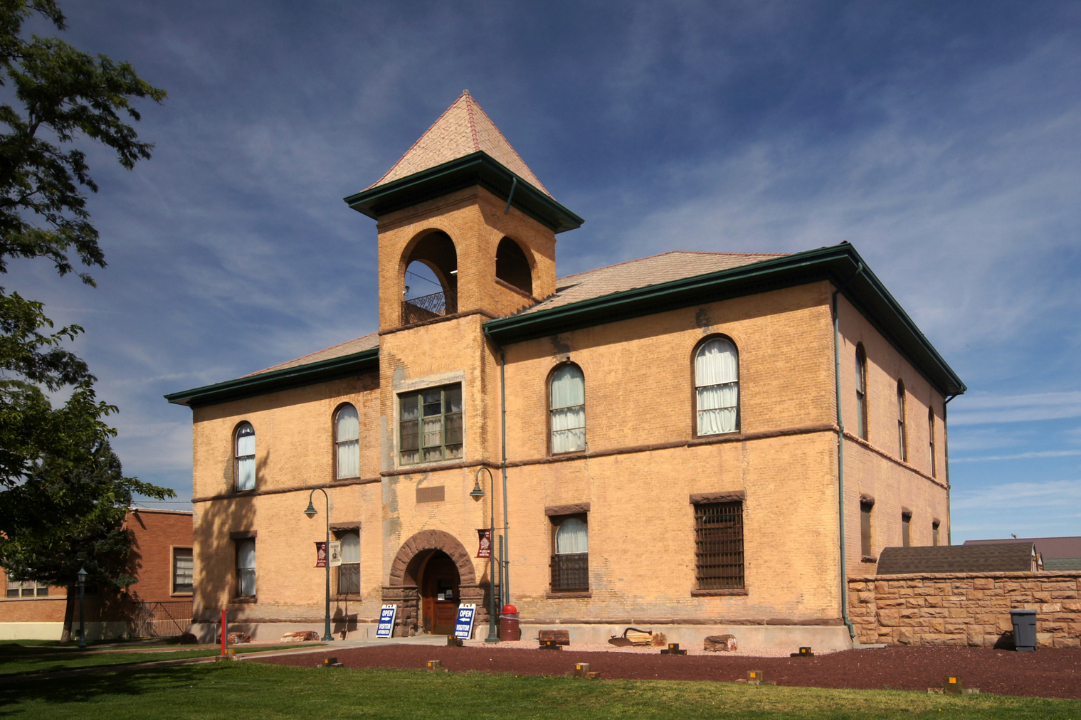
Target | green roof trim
(838,263)
(477,168)
(276,380)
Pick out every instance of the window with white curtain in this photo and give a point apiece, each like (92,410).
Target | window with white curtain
(716,383)
(347,442)
(245,568)
(568,409)
(245,457)
(183,568)
(349,570)
(570,561)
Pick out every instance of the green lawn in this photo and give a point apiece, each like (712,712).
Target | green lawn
(252,690)
(14,661)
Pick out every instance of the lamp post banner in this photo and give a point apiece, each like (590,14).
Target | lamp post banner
(335,553)
(484,549)
(320,554)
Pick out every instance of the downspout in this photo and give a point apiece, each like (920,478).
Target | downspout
(946,443)
(841,450)
(503,467)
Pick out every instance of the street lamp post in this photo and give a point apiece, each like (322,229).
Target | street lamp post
(311,512)
(82,606)
(478,493)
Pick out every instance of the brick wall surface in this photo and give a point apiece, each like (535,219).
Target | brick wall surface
(156,534)
(965,608)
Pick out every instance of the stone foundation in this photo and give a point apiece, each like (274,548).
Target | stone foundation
(965,609)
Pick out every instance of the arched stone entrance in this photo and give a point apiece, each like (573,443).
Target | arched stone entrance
(407,581)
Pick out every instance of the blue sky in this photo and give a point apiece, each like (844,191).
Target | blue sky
(942,139)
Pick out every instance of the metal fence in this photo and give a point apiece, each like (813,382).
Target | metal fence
(570,572)
(161,619)
(429,307)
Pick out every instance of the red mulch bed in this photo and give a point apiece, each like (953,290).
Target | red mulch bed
(1049,673)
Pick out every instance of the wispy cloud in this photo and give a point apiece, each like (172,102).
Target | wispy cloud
(1058,497)
(980,409)
(1018,456)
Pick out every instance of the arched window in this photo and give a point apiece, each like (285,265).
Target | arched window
(861,392)
(902,430)
(931,441)
(245,457)
(716,383)
(570,561)
(349,570)
(512,266)
(347,442)
(568,409)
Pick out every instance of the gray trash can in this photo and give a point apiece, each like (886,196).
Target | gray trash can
(1024,629)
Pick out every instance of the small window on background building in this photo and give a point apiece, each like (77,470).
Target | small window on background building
(570,561)
(716,383)
(861,392)
(430,425)
(26,589)
(245,568)
(906,529)
(934,533)
(347,443)
(245,457)
(183,568)
(866,546)
(902,431)
(567,396)
(718,540)
(931,435)
(349,570)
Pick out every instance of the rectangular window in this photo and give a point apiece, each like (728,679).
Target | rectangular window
(349,570)
(866,548)
(26,589)
(570,556)
(718,540)
(245,568)
(906,530)
(931,434)
(934,533)
(183,566)
(430,427)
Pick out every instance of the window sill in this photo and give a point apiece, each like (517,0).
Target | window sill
(552,595)
(343,479)
(436,464)
(718,593)
(246,600)
(181,594)
(250,491)
(868,559)
(732,433)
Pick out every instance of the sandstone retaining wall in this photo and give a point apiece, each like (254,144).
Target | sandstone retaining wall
(970,609)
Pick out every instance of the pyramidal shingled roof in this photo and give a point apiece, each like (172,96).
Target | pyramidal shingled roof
(462,130)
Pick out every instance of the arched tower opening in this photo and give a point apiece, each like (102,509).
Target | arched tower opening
(430,278)
(512,266)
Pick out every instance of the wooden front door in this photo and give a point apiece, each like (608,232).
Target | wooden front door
(439,594)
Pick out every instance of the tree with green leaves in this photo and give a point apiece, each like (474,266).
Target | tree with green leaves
(61,487)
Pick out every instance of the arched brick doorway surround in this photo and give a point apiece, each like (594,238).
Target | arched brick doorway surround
(404,571)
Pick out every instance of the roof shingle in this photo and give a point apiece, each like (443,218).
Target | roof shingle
(1003,557)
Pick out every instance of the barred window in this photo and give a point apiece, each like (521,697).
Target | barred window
(570,560)
(349,570)
(718,539)
(183,566)
(431,425)
(26,589)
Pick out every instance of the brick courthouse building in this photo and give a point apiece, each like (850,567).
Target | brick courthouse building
(668,429)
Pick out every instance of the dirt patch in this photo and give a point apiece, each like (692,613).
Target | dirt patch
(1050,673)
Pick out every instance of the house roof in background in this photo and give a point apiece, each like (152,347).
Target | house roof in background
(1050,548)
(1002,557)
(461,130)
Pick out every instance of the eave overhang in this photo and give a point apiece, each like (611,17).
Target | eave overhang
(477,168)
(276,380)
(838,264)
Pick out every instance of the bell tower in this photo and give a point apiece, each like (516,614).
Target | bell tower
(463,203)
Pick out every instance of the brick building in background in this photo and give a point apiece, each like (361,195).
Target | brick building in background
(158,603)
(666,430)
